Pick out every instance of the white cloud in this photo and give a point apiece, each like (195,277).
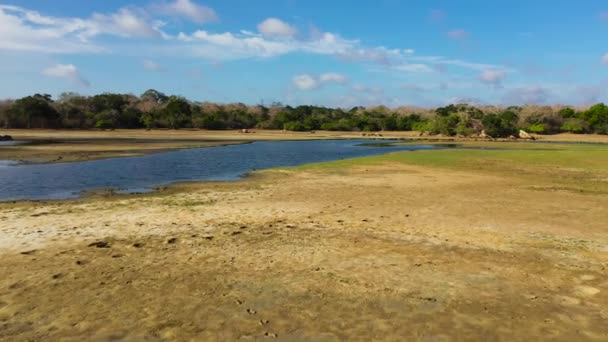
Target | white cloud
(333,77)
(305,82)
(25,30)
(493,77)
(605,59)
(274,27)
(308,82)
(66,71)
(124,23)
(229,46)
(443,62)
(186,8)
(152,65)
(413,67)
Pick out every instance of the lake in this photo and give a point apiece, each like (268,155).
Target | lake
(143,173)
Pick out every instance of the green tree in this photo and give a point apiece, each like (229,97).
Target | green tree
(35,112)
(177,112)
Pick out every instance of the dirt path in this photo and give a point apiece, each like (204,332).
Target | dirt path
(388,252)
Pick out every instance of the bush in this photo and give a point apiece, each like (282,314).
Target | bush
(574,126)
(103,124)
(537,128)
(295,126)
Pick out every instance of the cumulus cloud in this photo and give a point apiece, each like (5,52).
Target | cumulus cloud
(605,59)
(458,34)
(274,27)
(527,95)
(493,77)
(309,82)
(231,46)
(66,71)
(152,65)
(26,30)
(305,82)
(125,23)
(188,9)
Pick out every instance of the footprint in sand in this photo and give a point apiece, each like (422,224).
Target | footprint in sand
(586,291)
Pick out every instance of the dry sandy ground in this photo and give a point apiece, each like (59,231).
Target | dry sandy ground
(386,252)
(76,145)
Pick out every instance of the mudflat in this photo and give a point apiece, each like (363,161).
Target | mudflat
(497,244)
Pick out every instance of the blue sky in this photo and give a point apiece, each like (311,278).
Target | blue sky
(334,53)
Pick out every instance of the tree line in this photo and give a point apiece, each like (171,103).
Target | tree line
(154,109)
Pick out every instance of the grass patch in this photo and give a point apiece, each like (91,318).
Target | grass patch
(577,167)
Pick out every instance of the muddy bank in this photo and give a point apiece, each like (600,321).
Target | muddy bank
(366,253)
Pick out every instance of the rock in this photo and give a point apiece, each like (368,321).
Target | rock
(251,311)
(484,135)
(525,135)
(137,245)
(172,241)
(100,244)
(5,138)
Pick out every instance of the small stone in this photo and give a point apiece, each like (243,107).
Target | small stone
(172,241)
(137,245)
(100,244)
(57,276)
(251,311)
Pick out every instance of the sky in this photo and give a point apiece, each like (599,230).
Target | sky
(334,53)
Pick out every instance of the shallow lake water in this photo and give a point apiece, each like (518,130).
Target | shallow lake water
(143,173)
